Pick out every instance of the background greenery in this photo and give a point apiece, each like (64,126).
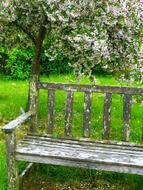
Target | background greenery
(17,62)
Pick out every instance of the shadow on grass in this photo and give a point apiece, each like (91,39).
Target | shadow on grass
(47,177)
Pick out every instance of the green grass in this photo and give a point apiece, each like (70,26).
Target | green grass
(13,95)
(3,179)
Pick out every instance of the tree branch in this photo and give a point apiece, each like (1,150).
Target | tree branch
(31,36)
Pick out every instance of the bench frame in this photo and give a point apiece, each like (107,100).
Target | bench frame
(9,129)
(10,136)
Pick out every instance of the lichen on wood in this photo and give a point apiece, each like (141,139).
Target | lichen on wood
(13,179)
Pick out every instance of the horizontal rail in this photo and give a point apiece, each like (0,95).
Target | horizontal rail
(91,88)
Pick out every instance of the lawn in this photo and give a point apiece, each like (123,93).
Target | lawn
(13,95)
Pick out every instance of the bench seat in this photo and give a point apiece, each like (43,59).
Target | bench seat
(118,157)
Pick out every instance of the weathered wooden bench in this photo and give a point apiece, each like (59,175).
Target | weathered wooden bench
(107,155)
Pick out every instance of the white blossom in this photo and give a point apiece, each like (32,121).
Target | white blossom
(88,32)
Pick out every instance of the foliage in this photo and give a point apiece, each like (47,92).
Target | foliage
(3,57)
(58,65)
(90,33)
(19,62)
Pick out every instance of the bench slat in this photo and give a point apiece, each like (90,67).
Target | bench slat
(51,105)
(91,146)
(91,88)
(107,116)
(87,113)
(127,117)
(68,113)
(83,141)
(127,161)
(72,163)
(69,150)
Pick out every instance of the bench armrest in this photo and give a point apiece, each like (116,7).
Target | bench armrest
(8,128)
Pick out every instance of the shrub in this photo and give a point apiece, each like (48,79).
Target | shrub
(19,62)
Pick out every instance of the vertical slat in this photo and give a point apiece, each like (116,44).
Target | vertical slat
(107,116)
(127,117)
(68,113)
(87,113)
(51,105)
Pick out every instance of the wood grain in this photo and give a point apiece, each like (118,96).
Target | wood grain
(87,114)
(51,107)
(18,121)
(127,117)
(82,154)
(91,88)
(107,116)
(68,113)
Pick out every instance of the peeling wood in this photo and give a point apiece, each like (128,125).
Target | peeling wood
(18,121)
(127,117)
(13,179)
(70,140)
(83,153)
(115,149)
(91,88)
(87,113)
(51,105)
(80,164)
(68,113)
(107,116)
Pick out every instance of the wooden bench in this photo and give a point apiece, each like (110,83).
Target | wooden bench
(107,155)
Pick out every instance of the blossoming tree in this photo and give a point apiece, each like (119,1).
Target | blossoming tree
(103,32)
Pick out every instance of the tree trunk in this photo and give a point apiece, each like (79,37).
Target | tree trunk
(35,69)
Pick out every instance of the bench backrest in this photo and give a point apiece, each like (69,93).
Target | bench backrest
(88,90)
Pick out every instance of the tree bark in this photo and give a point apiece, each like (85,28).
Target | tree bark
(35,69)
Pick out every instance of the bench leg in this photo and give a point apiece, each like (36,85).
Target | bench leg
(13,179)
